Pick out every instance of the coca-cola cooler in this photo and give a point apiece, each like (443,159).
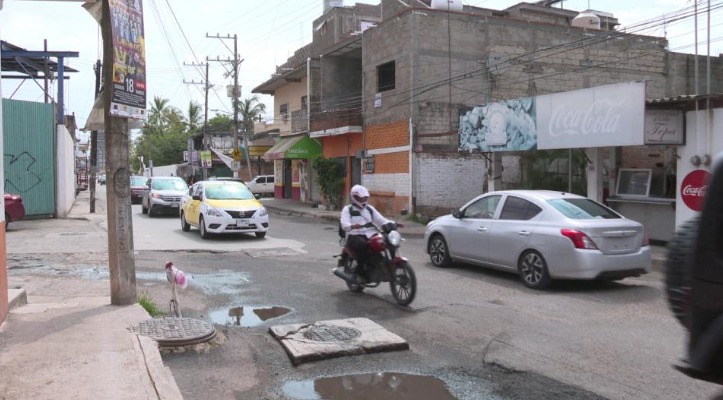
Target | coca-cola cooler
(647,196)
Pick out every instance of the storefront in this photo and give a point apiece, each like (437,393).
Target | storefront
(292,167)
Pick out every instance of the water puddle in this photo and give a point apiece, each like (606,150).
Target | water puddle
(246,316)
(377,386)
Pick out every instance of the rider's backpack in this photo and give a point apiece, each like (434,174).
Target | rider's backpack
(342,232)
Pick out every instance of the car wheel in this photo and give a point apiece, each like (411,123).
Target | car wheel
(533,270)
(202,228)
(260,235)
(677,270)
(439,251)
(144,209)
(184,224)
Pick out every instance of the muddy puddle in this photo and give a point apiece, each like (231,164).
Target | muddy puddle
(246,316)
(377,386)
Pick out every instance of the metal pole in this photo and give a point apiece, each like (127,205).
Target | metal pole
(206,141)
(235,96)
(94,146)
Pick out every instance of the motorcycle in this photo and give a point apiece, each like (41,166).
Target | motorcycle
(383,264)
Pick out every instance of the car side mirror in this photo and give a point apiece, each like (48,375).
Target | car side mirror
(196,197)
(257,196)
(457,214)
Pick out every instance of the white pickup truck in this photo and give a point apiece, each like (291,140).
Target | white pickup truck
(262,185)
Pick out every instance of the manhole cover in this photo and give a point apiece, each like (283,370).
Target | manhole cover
(172,332)
(331,333)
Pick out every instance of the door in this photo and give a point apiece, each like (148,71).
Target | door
(469,236)
(512,231)
(287,179)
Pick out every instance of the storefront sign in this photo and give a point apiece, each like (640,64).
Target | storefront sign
(693,189)
(664,127)
(611,115)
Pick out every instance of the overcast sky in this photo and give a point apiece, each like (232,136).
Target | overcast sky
(269,31)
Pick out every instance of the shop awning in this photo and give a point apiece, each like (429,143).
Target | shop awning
(297,147)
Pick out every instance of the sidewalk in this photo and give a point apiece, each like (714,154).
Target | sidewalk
(62,339)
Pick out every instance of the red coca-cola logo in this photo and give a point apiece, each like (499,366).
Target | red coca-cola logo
(693,189)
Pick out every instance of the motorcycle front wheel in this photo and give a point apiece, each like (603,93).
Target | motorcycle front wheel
(403,284)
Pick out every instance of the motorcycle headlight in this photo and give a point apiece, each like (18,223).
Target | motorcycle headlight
(394,238)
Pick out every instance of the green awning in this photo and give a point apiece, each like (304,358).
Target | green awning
(297,147)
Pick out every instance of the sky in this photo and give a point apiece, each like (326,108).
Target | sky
(268,31)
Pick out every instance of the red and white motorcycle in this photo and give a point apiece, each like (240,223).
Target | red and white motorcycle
(384,264)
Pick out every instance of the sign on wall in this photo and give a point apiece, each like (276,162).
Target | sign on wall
(603,116)
(664,127)
(693,189)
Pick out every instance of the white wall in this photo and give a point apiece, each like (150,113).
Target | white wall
(65,172)
(700,141)
(448,181)
(163,170)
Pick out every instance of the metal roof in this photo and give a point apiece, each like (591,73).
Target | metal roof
(26,63)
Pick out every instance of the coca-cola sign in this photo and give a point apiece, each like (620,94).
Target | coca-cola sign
(612,115)
(694,188)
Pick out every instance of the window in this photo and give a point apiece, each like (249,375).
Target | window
(482,208)
(269,179)
(284,111)
(516,208)
(582,209)
(386,76)
(634,182)
(261,179)
(304,99)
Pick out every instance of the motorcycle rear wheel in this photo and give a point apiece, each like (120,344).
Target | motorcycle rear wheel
(353,287)
(403,284)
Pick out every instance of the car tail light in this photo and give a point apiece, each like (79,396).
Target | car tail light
(579,239)
(646,239)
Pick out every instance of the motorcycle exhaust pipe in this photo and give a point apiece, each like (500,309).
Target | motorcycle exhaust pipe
(339,271)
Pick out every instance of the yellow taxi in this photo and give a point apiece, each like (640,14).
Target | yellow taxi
(221,206)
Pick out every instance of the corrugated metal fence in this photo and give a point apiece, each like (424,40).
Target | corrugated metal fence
(29,154)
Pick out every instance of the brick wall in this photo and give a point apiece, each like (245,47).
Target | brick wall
(392,134)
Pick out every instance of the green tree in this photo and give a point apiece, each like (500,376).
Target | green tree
(195,117)
(250,110)
(330,177)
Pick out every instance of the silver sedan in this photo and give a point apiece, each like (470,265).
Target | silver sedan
(541,235)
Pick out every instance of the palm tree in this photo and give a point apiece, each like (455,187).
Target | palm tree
(250,109)
(194,117)
(159,112)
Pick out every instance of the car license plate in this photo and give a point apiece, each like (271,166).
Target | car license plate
(242,223)
(174,205)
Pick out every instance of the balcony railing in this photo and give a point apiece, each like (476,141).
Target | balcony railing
(335,119)
(299,121)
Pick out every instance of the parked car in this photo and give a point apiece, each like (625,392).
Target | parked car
(14,208)
(540,235)
(262,185)
(162,194)
(223,207)
(138,185)
(694,284)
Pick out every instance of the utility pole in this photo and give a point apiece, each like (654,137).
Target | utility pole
(94,145)
(207,86)
(121,262)
(235,94)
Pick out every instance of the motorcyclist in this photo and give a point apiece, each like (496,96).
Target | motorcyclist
(354,217)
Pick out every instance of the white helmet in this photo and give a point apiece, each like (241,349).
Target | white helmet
(359,196)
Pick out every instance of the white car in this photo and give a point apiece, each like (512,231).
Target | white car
(540,235)
(223,206)
(162,194)
(262,184)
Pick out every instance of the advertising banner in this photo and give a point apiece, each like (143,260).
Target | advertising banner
(129,59)
(612,115)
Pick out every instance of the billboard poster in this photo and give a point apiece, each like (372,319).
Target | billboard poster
(507,125)
(603,116)
(129,59)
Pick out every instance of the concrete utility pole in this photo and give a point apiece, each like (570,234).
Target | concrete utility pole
(235,94)
(121,262)
(94,146)
(206,139)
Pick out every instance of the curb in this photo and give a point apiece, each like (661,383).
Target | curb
(17,298)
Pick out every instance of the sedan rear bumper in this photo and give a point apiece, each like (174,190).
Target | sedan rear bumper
(592,264)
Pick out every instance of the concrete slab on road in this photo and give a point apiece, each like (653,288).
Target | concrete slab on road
(335,338)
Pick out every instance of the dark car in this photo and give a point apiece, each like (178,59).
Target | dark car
(138,184)
(14,208)
(694,284)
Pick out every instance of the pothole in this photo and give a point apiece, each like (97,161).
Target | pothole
(377,386)
(246,316)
